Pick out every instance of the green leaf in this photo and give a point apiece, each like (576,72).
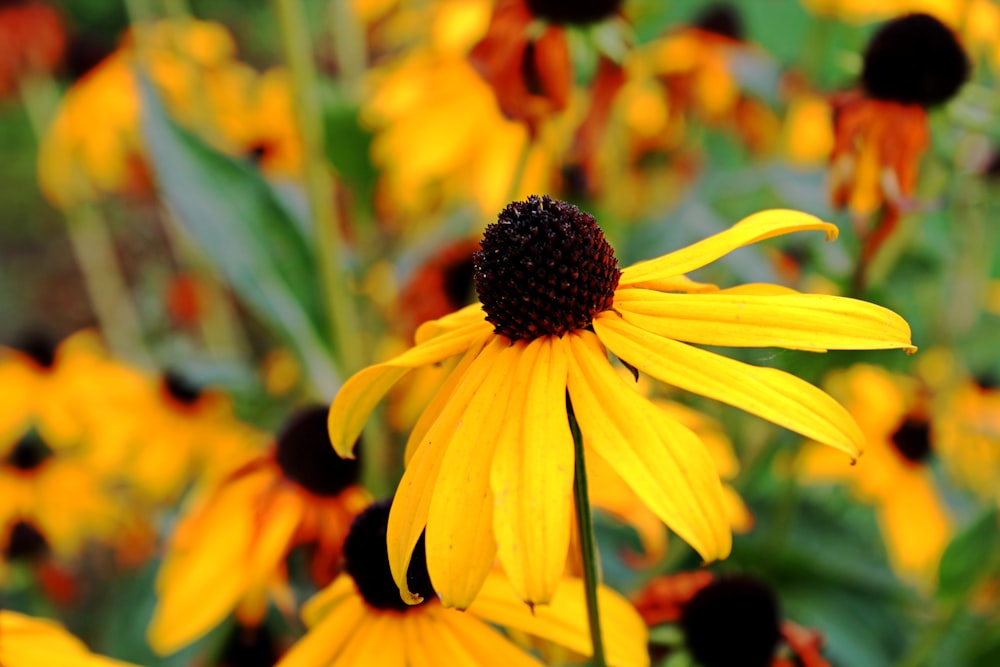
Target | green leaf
(246,231)
(348,145)
(971,555)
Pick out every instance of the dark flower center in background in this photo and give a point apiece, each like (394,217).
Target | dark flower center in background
(914,59)
(723,19)
(544,269)
(249,647)
(306,456)
(912,439)
(180,388)
(457,284)
(732,621)
(25,543)
(38,347)
(580,12)
(366,559)
(29,453)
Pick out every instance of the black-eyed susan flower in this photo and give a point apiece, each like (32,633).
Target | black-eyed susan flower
(525,54)
(234,539)
(895,474)
(727,620)
(966,425)
(491,458)
(881,132)
(52,503)
(360,620)
(28,642)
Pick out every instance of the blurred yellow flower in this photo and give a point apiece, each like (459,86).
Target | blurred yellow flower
(359,619)
(491,459)
(967,434)
(94,147)
(234,539)
(894,474)
(30,642)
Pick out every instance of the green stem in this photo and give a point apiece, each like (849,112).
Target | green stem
(588,548)
(341,312)
(348,44)
(93,246)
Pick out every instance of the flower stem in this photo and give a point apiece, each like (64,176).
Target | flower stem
(93,245)
(588,548)
(344,323)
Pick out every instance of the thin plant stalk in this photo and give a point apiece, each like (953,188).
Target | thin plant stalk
(588,546)
(341,312)
(93,246)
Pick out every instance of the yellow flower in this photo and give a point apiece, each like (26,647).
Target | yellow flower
(29,642)
(491,458)
(893,475)
(233,541)
(360,620)
(967,431)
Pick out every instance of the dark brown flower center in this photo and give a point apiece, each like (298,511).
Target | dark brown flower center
(721,18)
(306,457)
(25,542)
(180,388)
(580,12)
(914,59)
(544,269)
(366,559)
(38,347)
(29,453)
(732,621)
(912,439)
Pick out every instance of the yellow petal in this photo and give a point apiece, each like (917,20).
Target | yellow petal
(459,540)
(27,642)
(216,562)
(327,639)
(766,392)
(471,316)
(410,507)
(362,392)
(813,322)
(663,462)
(532,475)
(484,644)
(377,641)
(564,619)
(915,547)
(274,537)
(754,228)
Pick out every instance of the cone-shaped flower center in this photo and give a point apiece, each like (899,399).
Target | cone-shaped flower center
(39,348)
(912,439)
(25,542)
(732,621)
(721,18)
(544,269)
(29,453)
(366,559)
(580,12)
(914,59)
(306,457)
(180,388)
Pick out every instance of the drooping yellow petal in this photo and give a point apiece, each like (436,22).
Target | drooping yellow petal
(914,547)
(326,640)
(813,322)
(472,316)
(215,561)
(459,539)
(663,462)
(766,392)
(362,392)
(441,398)
(487,646)
(753,228)
(532,474)
(410,507)
(564,619)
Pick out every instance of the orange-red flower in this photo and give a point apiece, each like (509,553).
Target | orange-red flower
(32,41)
